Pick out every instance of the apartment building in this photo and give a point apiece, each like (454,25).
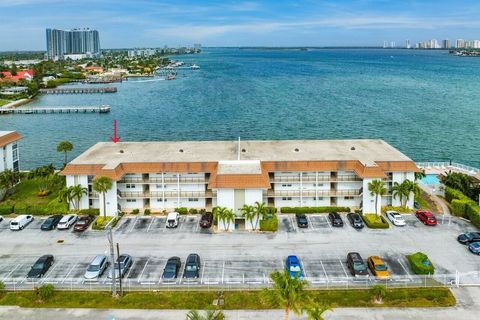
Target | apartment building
(204,174)
(9,159)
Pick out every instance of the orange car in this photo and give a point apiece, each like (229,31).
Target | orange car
(378,268)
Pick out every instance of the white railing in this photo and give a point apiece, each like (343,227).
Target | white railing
(448,165)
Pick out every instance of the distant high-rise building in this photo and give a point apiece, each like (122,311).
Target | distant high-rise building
(408,45)
(446,44)
(392,44)
(385,45)
(433,44)
(76,43)
(460,43)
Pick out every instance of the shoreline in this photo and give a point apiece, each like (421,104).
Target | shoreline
(17,103)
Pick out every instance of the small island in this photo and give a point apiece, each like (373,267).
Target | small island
(466,52)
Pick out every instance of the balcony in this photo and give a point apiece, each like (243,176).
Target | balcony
(93,195)
(343,178)
(313,193)
(166,194)
(199,180)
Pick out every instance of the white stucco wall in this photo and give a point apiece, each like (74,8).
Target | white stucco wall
(83,181)
(111,201)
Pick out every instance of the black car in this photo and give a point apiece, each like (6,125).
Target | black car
(469,237)
(355,220)
(171,268)
(192,266)
(41,266)
(356,265)
(302,221)
(51,222)
(206,220)
(335,219)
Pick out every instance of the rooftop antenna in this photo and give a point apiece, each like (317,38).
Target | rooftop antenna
(238,151)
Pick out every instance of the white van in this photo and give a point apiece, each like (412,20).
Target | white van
(172,220)
(20,222)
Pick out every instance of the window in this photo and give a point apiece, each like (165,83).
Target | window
(348,198)
(130,186)
(317,198)
(131,200)
(286,198)
(192,199)
(287,185)
(161,200)
(318,184)
(161,186)
(90,202)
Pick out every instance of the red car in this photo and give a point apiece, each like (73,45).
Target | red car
(83,223)
(426,217)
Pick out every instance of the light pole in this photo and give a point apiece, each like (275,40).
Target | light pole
(119,270)
(112,261)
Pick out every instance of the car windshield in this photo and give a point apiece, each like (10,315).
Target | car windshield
(81,222)
(38,266)
(381,267)
(191,267)
(93,267)
(14,223)
(49,220)
(171,268)
(358,266)
(295,269)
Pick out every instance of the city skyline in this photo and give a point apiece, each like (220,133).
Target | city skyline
(149,23)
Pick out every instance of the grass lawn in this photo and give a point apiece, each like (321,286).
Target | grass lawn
(425,202)
(412,297)
(26,200)
(4,102)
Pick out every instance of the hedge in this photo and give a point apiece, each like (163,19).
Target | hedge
(6,209)
(313,209)
(91,211)
(269,224)
(182,210)
(451,194)
(100,223)
(417,263)
(398,209)
(374,221)
(463,206)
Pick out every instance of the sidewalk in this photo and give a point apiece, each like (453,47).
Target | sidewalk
(468,307)
(438,201)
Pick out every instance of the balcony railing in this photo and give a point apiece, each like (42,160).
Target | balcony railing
(93,195)
(167,194)
(313,193)
(296,179)
(200,180)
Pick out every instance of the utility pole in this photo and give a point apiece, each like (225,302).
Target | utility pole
(119,271)
(112,261)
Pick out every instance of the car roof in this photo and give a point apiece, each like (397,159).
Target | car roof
(192,257)
(355,256)
(475,244)
(293,259)
(44,257)
(98,259)
(376,259)
(172,259)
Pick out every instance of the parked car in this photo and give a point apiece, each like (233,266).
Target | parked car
(206,220)
(20,222)
(96,268)
(192,266)
(426,217)
(355,264)
(302,221)
(355,220)
(1,218)
(51,222)
(126,262)
(416,205)
(67,221)
(83,223)
(171,268)
(335,219)
(469,237)
(396,218)
(474,247)
(378,268)
(172,220)
(294,267)
(41,267)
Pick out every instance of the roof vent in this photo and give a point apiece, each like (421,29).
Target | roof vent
(181,150)
(352,148)
(296,150)
(121,151)
(243,150)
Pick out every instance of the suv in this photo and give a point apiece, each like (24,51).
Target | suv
(426,217)
(192,266)
(41,266)
(294,267)
(335,219)
(395,218)
(172,220)
(206,220)
(355,264)
(302,221)
(171,269)
(96,268)
(355,220)
(125,261)
(51,222)
(67,221)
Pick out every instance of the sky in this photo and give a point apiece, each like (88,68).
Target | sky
(155,23)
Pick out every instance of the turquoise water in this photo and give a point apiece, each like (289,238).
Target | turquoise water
(431,179)
(425,103)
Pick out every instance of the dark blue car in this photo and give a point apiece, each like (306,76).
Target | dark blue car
(294,267)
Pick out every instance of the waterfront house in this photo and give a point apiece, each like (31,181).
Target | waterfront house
(9,150)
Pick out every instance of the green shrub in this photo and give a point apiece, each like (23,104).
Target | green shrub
(463,206)
(398,209)
(135,211)
(2,285)
(91,211)
(269,224)
(420,263)
(6,210)
(459,207)
(46,291)
(100,223)
(451,194)
(147,212)
(192,211)
(313,209)
(374,221)
(182,210)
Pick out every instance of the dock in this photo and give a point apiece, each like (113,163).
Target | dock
(53,110)
(89,90)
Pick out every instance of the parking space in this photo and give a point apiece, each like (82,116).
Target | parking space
(319,223)
(212,271)
(287,223)
(152,271)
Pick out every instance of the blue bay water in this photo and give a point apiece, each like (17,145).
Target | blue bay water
(425,103)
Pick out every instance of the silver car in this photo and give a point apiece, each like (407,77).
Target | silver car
(67,221)
(96,268)
(125,261)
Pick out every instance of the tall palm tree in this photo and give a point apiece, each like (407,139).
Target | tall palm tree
(288,292)
(398,190)
(102,185)
(228,218)
(65,195)
(77,193)
(411,187)
(218,213)
(248,213)
(209,315)
(260,211)
(65,147)
(377,189)
(315,311)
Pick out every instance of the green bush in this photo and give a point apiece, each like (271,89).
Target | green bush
(269,224)
(46,291)
(135,211)
(2,286)
(398,209)
(91,211)
(147,212)
(374,221)
(192,211)
(100,223)
(313,209)
(182,210)
(420,263)
(6,209)
(459,207)
(451,194)
(463,206)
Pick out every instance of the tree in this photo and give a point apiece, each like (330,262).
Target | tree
(378,292)
(209,315)
(102,185)
(77,193)
(65,147)
(377,189)
(225,215)
(8,179)
(411,187)
(248,213)
(315,310)
(65,195)
(420,175)
(260,211)
(400,190)
(288,292)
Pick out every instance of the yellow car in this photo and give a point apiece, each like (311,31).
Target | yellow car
(378,268)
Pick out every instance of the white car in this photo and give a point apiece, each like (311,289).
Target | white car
(67,221)
(20,222)
(396,218)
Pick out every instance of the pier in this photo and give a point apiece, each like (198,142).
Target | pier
(52,110)
(79,90)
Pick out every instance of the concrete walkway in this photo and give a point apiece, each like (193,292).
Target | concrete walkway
(438,201)
(15,103)
(468,307)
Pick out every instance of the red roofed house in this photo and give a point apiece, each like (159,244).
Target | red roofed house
(24,74)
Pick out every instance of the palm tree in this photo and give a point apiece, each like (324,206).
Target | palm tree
(209,315)
(218,213)
(228,218)
(65,147)
(315,311)
(399,189)
(420,175)
(248,213)
(411,187)
(8,179)
(102,185)
(378,292)
(260,211)
(77,193)
(65,195)
(377,189)
(287,292)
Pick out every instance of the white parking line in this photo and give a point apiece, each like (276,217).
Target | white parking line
(130,269)
(203,271)
(304,270)
(8,275)
(344,271)
(133,224)
(50,272)
(310,222)
(294,223)
(328,221)
(143,270)
(223,270)
(69,272)
(324,271)
(151,222)
(406,270)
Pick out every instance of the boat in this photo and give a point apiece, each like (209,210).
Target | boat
(170,77)
(194,67)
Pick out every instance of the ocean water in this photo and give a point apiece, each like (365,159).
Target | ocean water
(425,103)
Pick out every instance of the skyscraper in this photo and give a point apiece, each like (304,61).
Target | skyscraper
(408,45)
(460,43)
(77,42)
(446,44)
